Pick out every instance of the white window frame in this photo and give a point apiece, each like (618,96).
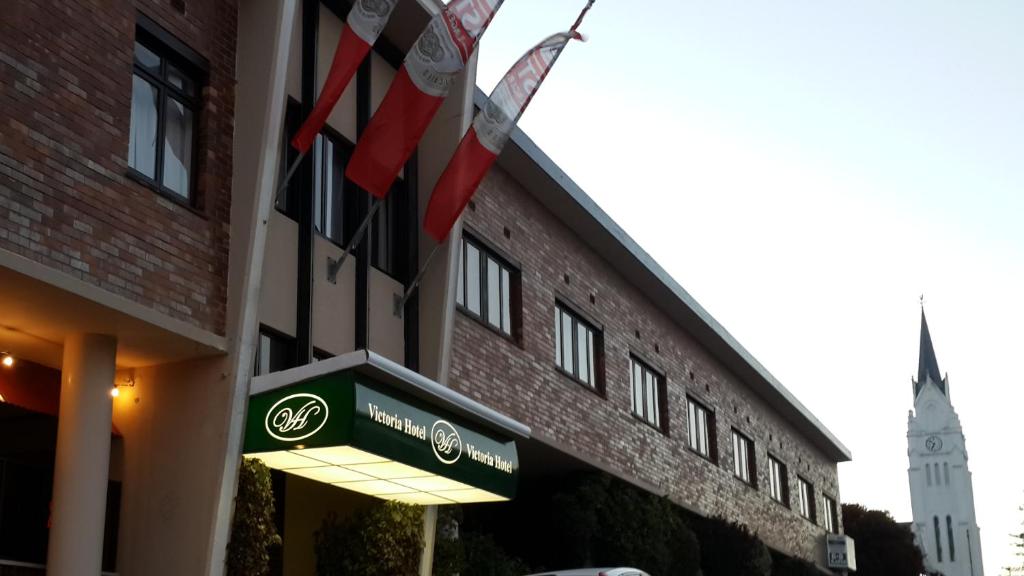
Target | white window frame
(646,392)
(583,347)
(699,427)
(777,481)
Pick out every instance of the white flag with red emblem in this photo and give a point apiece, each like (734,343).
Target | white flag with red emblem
(491,128)
(419,88)
(363,26)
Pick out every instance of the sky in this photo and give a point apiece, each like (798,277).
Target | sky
(807,170)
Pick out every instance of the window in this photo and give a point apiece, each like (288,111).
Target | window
(778,483)
(743,458)
(274,352)
(928,473)
(576,343)
(949,536)
(485,286)
(945,475)
(938,538)
(831,518)
(648,391)
(162,137)
(336,212)
(701,428)
(806,499)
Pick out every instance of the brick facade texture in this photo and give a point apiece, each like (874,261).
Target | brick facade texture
(65,109)
(520,380)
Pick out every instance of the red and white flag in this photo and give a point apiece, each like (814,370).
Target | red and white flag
(419,88)
(363,26)
(491,128)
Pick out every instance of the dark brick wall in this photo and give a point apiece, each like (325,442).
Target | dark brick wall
(521,381)
(65,106)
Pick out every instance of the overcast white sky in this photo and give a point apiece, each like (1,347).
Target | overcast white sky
(807,169)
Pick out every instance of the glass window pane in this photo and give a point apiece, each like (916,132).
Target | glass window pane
(582,356)
(329,183)
(142,136)
(493,293)
(590,357)
(506,302)
(177,147)
(460,294)
(318,183)
(638,395)
(558,337)
(691,424)
(472,279)
(146,59)
(651,396)
(179,80)
(567,363)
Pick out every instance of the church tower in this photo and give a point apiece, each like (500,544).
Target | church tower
(941,492)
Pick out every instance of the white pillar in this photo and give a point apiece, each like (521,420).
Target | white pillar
(83,456)
(429,537)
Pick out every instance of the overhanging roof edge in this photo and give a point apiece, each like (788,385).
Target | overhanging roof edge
(832,445)
(402,378)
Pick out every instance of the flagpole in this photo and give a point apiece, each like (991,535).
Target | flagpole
(400,302)
(333,266)
(579,19)
(288,176)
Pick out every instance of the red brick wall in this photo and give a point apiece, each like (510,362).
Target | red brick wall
(65,106)
(521,380)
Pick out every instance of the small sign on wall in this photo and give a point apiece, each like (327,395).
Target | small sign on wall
(840,552)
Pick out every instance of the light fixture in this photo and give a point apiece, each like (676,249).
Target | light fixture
(8,360)
(367,473)
(129,381)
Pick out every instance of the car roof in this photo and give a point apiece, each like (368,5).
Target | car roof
(595,572)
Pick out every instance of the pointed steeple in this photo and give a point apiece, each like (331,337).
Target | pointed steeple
(927,364)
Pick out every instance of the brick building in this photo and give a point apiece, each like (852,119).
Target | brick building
(146,254)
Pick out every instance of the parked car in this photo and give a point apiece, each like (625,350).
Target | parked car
(596,572)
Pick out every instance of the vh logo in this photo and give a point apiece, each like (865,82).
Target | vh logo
(446,442)
(296,417)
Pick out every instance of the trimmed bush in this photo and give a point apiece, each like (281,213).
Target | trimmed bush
(449,551)
(384,539)
(252,529)
(606,522)
(485,558)
(731,549)
(783,565)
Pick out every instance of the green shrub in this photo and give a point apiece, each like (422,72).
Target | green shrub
(252,529)
(384,539)
(783,565)
(606,522)
(485,558)
(449,551)
(731,549)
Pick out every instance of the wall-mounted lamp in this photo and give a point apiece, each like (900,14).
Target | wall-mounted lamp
(128,381)
(8,360)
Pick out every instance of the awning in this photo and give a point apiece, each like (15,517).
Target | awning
(366,424)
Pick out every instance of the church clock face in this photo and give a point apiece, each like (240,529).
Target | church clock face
(933,443)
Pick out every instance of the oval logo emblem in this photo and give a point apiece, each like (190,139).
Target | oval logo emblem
(446,442)
(296,417)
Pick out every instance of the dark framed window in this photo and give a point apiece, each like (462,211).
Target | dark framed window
(336,214)
(743,458)
(163,136)
(805,493)
(577,344)
(938,538)
(648,395)
(487,287)
(701,430)
(274,352)
(831,517)
(778,481)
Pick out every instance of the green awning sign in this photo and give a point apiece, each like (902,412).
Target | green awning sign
(352,431)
